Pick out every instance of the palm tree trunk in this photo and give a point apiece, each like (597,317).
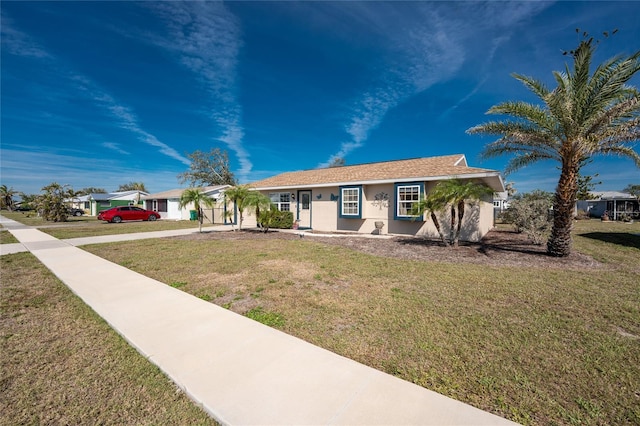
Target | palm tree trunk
(439,229)
(452,230)
(459,227)
(200,219)
(559,243)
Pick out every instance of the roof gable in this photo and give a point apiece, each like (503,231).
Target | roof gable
(430,168)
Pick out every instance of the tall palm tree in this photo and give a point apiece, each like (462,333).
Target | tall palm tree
(585,115)
(199,199)
(6,197)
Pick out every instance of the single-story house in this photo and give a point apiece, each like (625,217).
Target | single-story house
(167,203)
(99,202)
(617,205)
(80,202)
(377,197)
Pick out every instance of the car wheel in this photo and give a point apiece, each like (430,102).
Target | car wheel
(116,219)
(152,217)
(77,214)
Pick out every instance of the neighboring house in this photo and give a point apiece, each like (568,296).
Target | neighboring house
(167,203)
(81,202)
(500,202)
(617,205)
(100,202)
(364,198)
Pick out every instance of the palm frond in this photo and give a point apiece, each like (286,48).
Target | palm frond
(536,86)
(622,151)
(621,113)
(525,159)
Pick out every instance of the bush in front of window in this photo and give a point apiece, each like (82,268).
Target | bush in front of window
(282,220)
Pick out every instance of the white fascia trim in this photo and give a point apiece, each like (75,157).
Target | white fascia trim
(462,159)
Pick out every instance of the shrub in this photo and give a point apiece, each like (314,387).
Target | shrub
(582,215)
(281,220)
(530,213)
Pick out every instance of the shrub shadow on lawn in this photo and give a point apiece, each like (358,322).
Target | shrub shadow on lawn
(495,241)
(497,248)
(619,238)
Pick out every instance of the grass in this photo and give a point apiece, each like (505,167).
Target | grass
(7,238)
(538,346)
(88,226)
(62,364)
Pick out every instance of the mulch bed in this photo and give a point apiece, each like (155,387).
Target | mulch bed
(497,248)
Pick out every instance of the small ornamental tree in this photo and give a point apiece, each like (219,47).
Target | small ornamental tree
(531,213)
(6,197)
(51,204)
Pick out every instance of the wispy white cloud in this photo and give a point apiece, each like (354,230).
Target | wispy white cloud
(115,147)
(207,39)
(29,170)
(482,73)
(422,45)
(19,43)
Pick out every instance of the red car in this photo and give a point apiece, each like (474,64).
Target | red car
(118,214)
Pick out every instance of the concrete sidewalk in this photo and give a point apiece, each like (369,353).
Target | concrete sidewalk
(240,371)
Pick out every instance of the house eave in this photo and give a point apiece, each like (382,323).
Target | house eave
(497,188)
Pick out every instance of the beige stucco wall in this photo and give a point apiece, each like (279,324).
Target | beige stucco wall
(478,219)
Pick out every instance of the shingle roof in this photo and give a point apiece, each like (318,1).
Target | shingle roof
(429,168)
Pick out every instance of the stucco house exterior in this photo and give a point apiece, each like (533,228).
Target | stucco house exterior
(167,203)
(99,202)
(377,197)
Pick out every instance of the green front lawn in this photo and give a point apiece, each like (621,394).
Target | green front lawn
(535,345)
(61,364)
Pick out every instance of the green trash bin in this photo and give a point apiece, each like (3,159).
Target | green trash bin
(193,215)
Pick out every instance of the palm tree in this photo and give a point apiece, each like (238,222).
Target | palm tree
(454,194)
(240,197)
(585,115)
(199,199)
(6,197)
(260,202)
(432,205)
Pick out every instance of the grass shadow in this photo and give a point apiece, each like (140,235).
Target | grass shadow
(620,238)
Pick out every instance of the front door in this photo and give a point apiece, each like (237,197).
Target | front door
(304,209)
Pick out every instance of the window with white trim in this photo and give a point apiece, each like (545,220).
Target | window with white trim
(407,197)
(282,200)
(350,201)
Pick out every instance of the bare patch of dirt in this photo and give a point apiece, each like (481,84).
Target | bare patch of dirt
(497,248)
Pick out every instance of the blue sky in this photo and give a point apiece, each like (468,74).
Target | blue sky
(105,93)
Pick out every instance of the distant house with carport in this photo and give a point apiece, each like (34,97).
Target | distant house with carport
(99,202)
(167,203)
(617,205)
(377,197)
